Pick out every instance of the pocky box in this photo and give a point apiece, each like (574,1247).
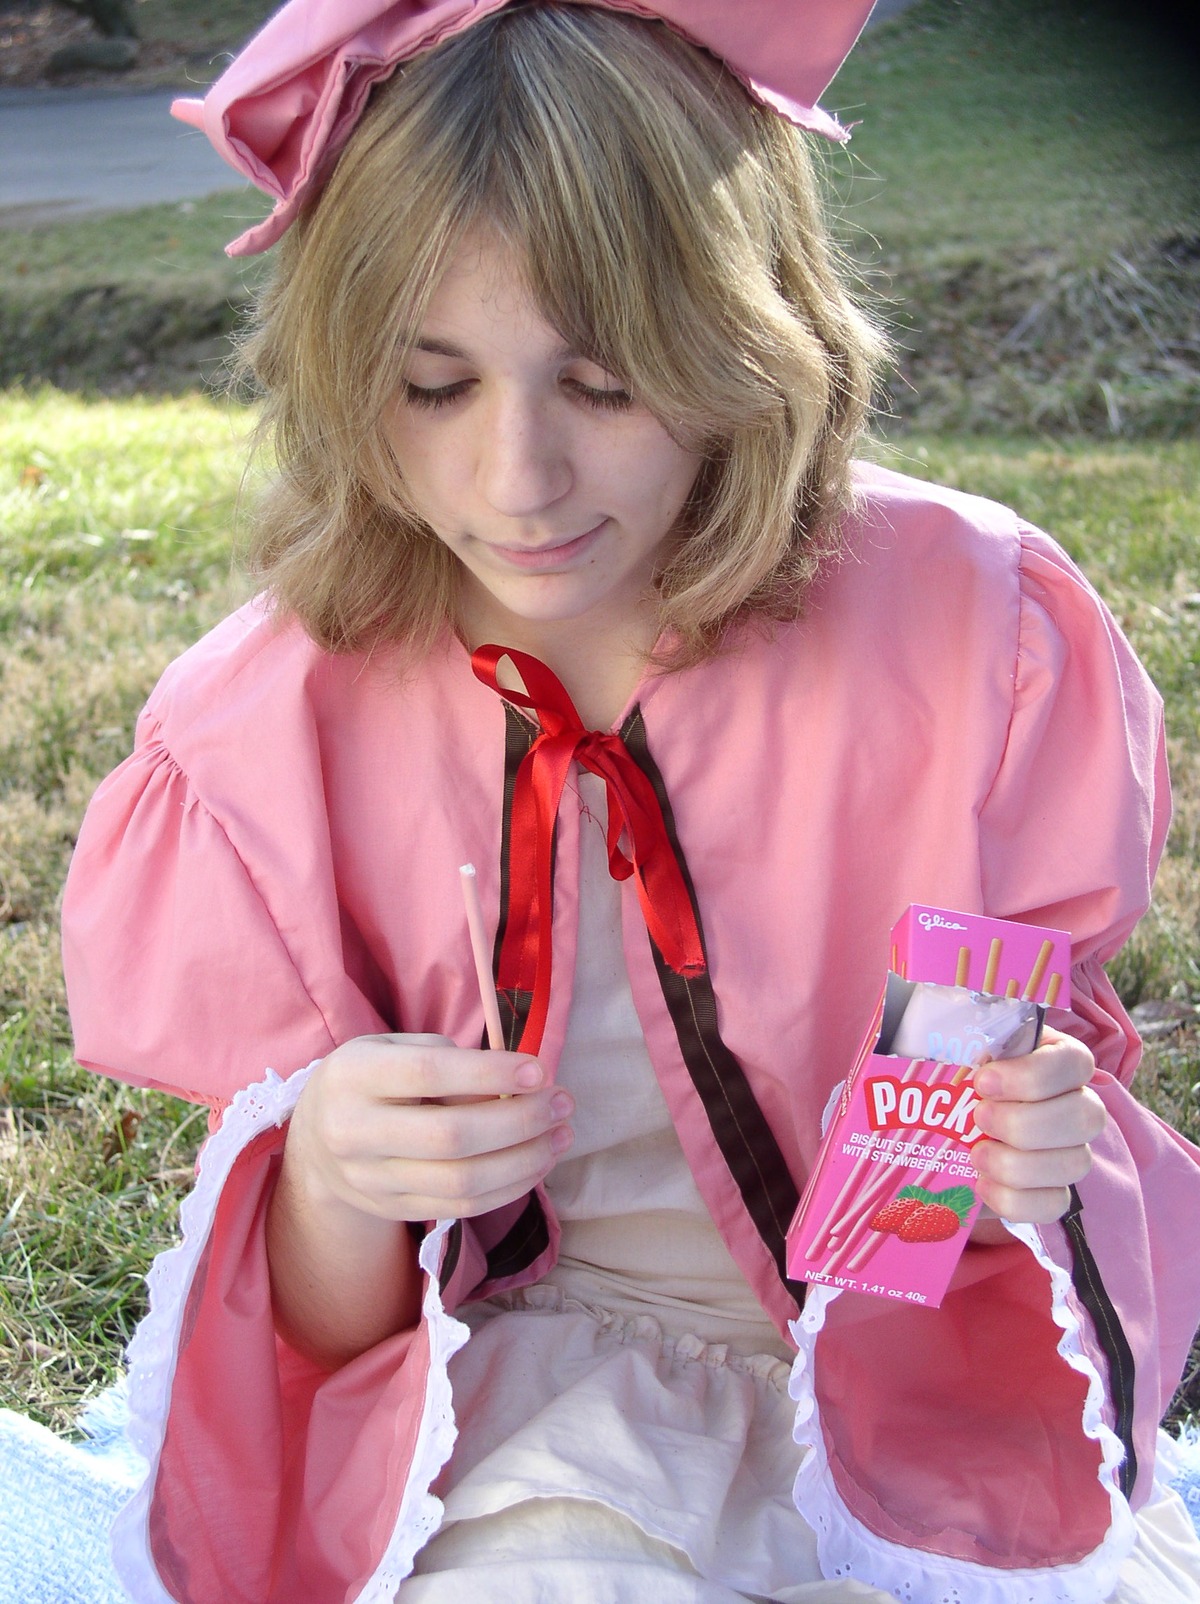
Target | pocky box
(891,1199)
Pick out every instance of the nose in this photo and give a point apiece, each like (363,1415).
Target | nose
(524,461)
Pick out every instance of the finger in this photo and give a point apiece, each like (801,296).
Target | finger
(1058,1064)
(1017,1171)
(1036,1207)
(428,1188)
(410,1068)
(1075,1117)
(433,1208)
(465,1130)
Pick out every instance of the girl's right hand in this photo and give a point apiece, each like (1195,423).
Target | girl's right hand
(390,1129)
(411,1127)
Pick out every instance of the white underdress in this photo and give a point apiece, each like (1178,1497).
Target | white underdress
(625,1430)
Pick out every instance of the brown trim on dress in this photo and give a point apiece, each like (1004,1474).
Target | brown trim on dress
(526,1240)
(1091,1292)
(739,1126)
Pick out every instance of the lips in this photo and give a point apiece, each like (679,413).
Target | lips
(550,556)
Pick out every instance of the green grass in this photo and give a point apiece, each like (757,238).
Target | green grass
(994,124)
(143,299)
(182,240)
(1024,194)
(139,491)
(93,1180)
(114,555)
(115,522)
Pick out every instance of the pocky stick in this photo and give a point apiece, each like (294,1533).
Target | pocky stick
(479,951)
(962,973)
(1039,969)
(995,947)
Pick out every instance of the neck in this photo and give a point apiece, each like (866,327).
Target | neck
(599,668)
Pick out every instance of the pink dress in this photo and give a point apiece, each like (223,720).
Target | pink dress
(957,722)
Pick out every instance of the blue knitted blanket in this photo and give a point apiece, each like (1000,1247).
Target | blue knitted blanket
(58,1498)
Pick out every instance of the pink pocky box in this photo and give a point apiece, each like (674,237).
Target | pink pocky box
(891,1200)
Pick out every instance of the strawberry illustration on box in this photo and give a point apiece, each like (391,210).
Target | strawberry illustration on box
(891,1200)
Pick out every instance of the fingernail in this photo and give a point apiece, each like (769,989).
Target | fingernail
(562,1104)
(987,1082)
(561,1138)
(529,1074)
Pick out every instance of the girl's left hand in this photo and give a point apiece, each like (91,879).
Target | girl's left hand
(1038,1115)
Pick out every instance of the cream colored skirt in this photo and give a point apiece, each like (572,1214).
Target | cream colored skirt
(599,1461)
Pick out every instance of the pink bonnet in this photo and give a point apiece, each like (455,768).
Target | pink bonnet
(284,108)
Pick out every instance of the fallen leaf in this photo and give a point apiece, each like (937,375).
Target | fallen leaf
(120,1139)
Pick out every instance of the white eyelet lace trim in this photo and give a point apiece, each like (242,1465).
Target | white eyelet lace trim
(847,1548)
(154,1348)
(420,1511)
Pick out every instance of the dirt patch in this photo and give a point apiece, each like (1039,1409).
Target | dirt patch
(28,38)
(1036,341)
(115,339)
(31,34)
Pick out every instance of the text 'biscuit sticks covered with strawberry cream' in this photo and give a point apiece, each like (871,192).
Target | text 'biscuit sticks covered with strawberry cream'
(891,1200)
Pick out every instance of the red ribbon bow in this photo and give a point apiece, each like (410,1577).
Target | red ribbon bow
(633,812)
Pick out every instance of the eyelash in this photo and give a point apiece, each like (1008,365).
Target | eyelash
(433,399)
(444,395)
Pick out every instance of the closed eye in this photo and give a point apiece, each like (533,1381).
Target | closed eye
(431,397)
(438,396)
(609,400)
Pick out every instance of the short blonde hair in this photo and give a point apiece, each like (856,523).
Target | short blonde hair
(672,230)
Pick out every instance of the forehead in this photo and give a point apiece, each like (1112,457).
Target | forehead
(483,302)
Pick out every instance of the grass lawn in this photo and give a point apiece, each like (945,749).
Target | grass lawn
(114,555)
(994,125)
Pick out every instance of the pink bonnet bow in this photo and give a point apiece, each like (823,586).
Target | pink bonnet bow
(286,105)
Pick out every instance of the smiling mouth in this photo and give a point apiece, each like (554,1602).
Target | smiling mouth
(550,556)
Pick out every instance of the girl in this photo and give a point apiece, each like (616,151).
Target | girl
(569,574)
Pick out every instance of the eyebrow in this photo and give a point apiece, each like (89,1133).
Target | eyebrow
(440,348)
(446,348)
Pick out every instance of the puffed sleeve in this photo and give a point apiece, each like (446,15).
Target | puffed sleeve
(177,972)
(1072,830)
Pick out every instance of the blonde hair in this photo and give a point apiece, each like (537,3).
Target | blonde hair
(672,230)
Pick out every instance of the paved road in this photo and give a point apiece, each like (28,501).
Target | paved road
(66,152)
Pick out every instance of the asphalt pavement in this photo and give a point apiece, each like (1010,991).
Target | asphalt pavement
(67,152)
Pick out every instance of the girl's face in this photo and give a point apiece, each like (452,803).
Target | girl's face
(553,487)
